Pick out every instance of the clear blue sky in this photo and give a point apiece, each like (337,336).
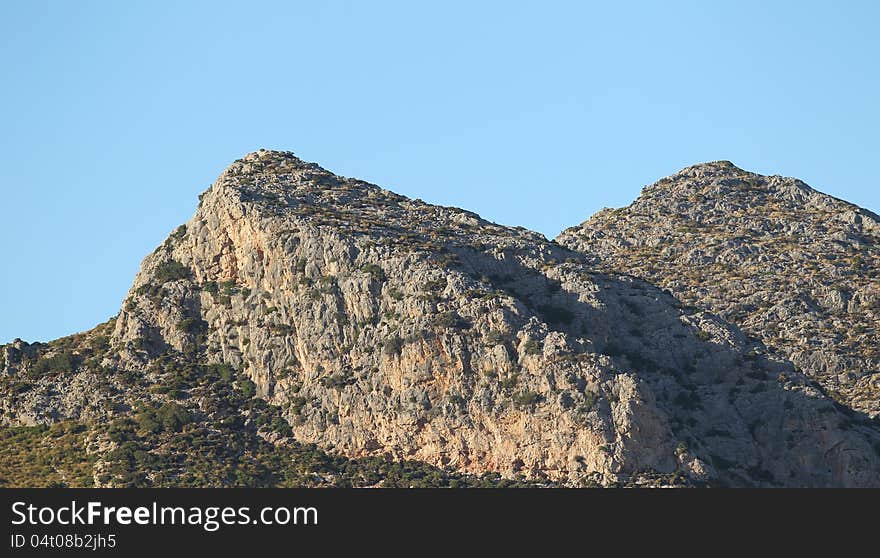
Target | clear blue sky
(116,115)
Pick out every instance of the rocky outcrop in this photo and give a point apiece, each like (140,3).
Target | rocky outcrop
(798,269)
(384,326)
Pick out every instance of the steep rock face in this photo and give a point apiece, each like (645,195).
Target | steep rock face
(792,266)
(383,325)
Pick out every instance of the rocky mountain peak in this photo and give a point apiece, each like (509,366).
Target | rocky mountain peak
(268,160)
(711,168)
(795,267)
(722,186)
(272,171)
(722,182)
(298,307)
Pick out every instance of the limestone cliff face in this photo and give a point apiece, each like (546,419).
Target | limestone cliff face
(384,326)
(796,268)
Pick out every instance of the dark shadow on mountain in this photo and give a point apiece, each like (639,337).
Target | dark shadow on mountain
(732,405)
